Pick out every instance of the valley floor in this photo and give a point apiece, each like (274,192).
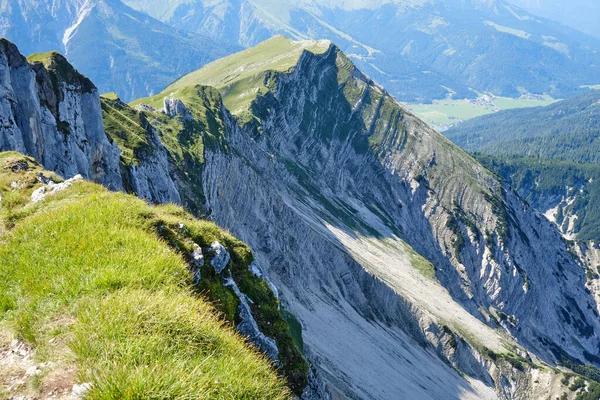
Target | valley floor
(444,114)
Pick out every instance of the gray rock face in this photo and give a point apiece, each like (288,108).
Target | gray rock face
(56,117)
(150,179)
(358,292)
(315,390)
(220,257)
(174,107)
(59,123)
(249,328)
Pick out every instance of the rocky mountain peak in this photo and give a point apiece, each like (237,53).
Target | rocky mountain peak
(10,51)
(62,71)
(52,112)
(367,221)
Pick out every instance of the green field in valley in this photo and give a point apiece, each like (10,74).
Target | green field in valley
(443,114)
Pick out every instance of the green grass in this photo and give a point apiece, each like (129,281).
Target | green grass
(443,113)
(110,96)
(61,71)
(241,77)
(106,274)
(42,57)
(448,111)
(506,103)
(420,263)
(126,127)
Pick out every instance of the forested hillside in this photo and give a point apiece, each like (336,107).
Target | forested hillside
(568,130)
(550,155)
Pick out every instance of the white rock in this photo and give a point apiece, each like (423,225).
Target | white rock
(33,370)
(221,256)
(197,262)
(80,390)
(174,107)
(53,188)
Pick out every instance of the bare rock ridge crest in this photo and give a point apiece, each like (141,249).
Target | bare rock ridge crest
(414,272)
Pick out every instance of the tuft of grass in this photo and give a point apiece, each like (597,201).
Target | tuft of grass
(91,268)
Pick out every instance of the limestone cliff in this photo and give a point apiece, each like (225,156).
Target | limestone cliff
(51,112)
(372,225)
(415,273)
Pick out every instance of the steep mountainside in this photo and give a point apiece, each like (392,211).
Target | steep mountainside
(52,112)
(419,50)
(415,273)
(117,313)
(117,47)
(549,154)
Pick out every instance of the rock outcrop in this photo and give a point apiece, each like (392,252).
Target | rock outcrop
(220,257)
(51,112)
(248,326)
(52,188)
(174,107)
(414,272)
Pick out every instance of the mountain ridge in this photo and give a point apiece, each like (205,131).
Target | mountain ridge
(437,46)
(301,173)
(369,259)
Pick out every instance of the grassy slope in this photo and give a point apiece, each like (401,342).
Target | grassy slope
(241,77)
(88,281)
(126,127)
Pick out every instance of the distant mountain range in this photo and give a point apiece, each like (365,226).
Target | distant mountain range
(578,14)
(119,48)
(419,50)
